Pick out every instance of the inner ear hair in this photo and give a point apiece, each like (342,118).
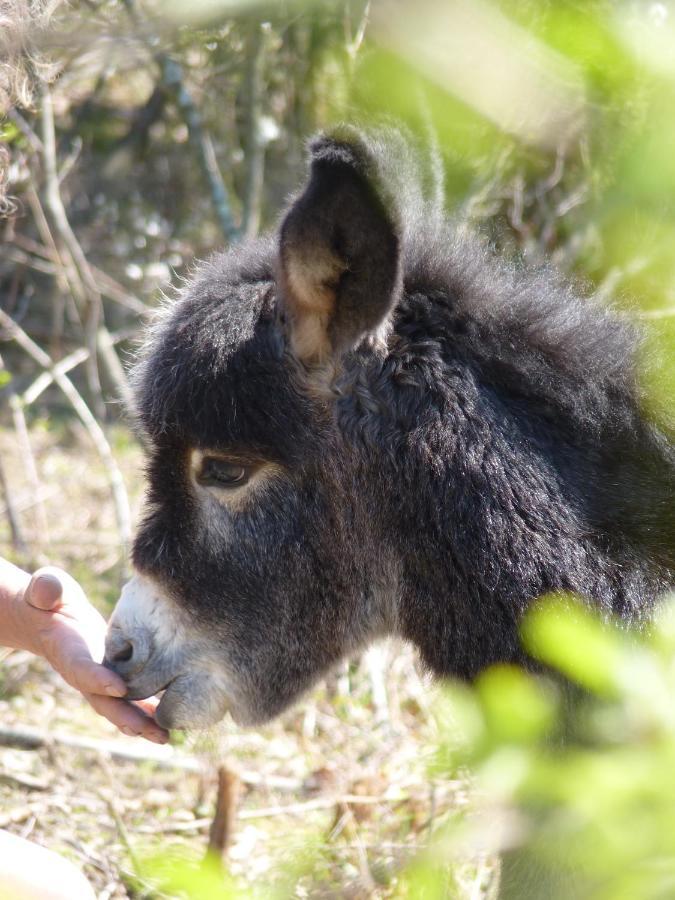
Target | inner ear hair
(311,282)
(339,254)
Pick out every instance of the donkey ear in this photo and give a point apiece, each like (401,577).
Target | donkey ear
(339,255)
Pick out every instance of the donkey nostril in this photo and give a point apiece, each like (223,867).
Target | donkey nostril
(124,654)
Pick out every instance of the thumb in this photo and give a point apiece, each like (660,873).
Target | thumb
(45,591)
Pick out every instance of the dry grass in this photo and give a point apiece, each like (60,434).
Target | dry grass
(343,799)
(357,795)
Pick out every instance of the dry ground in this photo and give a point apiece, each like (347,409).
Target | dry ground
(335,796)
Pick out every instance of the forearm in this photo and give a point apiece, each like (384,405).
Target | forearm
(13,581)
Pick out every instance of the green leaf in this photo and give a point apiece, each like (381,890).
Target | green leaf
(515,705)
(562,633)
(205,882)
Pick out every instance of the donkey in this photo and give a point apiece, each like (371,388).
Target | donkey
(366,425)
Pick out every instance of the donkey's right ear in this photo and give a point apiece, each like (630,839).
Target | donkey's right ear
(339,251)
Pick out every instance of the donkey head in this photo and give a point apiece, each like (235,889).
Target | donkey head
(265,553)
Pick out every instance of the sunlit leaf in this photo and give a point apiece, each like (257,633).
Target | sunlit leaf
(560,632)
(205,882)
(515,706)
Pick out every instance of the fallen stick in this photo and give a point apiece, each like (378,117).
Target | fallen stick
(29,782)
(163,755)
(264,812)
(35,739)
(222,827)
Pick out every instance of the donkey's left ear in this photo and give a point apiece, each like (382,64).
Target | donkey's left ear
(339,254)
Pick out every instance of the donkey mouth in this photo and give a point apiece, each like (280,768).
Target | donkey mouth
(164,712)
(142,692)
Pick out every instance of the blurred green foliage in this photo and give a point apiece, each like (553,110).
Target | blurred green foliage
(573,774)
(597,192)
(619,56)
(597,800)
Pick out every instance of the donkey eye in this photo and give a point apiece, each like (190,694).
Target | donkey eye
(216,472)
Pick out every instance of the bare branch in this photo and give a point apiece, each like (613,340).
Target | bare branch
(25,249)
(44,379)
(254,147)
(172,78)
(89,294)
(16,531)
(119,494)
(28,458)
(87,288)
(174,83)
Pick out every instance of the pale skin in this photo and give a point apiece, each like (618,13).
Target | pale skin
(49,615)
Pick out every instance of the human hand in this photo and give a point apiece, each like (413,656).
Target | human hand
(59,624)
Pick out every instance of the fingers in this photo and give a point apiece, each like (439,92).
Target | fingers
(72,650)
(148,706)
(130,718)
(71,638)
(103,690)
(87,676)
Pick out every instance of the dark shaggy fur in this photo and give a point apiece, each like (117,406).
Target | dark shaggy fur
(453,437)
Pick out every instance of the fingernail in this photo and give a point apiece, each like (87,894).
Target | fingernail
(44,591)
(114,690)
(45,578)
(130,731)
(158,737)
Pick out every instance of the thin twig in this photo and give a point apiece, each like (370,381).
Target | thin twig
(353,44)
(172,78)
(25,129)
(30,467)
(18,539)
(44,379)
(87,289)
(105,344)
(61,274)
(86,286)
(107,285)
(65,365)
(113,290)
(23,258)
(173,83)
(119,494)
(254,147)
(350,825)
(31,246)
(70,160)
(24,503)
